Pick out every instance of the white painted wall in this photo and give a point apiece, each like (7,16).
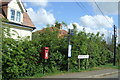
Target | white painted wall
(14,5)
(23,33)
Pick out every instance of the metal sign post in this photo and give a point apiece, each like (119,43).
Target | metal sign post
(79,64)
(69,54)
(71,33)
(68,50)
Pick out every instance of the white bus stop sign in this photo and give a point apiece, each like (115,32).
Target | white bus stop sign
(69,50)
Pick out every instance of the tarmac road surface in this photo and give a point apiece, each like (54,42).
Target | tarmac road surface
(105,73)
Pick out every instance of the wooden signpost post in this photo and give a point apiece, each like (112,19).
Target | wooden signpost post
(82,57)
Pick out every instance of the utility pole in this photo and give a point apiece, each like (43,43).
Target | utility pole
(114,61)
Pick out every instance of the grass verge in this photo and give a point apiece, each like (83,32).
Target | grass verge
(39,75)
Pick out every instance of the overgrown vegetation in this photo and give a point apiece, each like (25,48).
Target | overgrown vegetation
(23,58)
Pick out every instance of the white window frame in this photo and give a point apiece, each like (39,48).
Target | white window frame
(18,17)
(15,17)
(12,15)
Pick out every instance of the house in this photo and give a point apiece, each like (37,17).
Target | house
(61,33)
(17,18)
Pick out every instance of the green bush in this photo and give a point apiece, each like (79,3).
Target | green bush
(23,57)
(18,58)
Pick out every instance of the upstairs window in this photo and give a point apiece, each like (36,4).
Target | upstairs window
(15,15)
(12,14)
(18,16)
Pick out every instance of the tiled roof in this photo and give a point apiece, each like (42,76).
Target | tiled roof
(3,14)
(62,33)
(26,20)
(4,2)
(3,11)
(51,29)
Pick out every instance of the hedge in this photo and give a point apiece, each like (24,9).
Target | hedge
(23,58)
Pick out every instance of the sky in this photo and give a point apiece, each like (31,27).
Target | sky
(85,14)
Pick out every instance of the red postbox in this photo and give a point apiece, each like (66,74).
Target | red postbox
(44,52)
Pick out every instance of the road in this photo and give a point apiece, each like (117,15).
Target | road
(110,76)
(105,73)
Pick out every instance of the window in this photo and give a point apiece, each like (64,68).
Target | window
(18,16)
(13,15)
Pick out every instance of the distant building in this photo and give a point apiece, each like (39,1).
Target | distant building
(61,33)
(16,15)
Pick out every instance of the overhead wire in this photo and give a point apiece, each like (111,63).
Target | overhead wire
(86,10)
(102,12)
(80,6)
(83,7)
(104,15)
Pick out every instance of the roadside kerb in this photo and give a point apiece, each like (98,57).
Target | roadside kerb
(105,74)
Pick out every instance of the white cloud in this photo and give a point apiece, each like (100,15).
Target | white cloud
(70,26)
(103,0)
(25,4)
(41,16)
(42,3)
(80,28)
(106,7)
(96,22)
(107,33)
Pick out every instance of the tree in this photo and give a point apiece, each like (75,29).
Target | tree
(59,25)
